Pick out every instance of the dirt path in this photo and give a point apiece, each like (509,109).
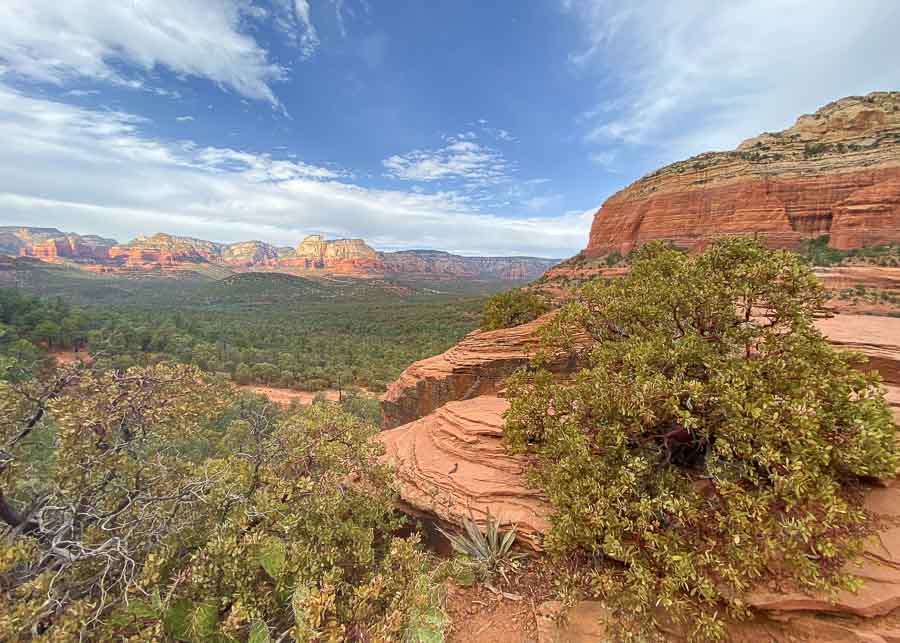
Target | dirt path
(477,615)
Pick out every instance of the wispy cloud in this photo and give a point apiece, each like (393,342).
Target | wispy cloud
(690,75)
(184,119)
(463,158)
(110,177)
(605,159)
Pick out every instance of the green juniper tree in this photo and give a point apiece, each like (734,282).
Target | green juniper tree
(713,439)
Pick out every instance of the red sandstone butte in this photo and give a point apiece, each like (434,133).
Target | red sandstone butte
(835,172)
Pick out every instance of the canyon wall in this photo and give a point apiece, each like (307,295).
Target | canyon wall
(835,172)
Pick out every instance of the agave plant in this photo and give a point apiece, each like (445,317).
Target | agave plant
(491,549)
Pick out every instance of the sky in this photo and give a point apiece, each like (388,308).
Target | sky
(483,128)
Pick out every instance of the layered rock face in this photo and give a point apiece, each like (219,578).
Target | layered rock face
(451,465)
(250,253)
(476,366)
(340,255)
(433,262)
(834,172)
(52,245)
(165,253)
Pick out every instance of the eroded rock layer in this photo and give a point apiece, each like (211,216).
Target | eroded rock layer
(452,465)
(168,253)
(480,363)
(476,366)
(834,172)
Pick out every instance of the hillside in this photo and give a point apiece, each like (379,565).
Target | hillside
(835,172)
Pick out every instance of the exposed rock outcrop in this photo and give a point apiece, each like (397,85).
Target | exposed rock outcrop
(52,245)
(834,172)
(451,465)
(476,366)
(480,363)
(250,253)
(339,255)
(167,253)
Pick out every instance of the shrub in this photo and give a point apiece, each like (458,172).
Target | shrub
(713,440)
(152,505)
(512,308)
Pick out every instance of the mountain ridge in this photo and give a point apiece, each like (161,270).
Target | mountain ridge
(162,252)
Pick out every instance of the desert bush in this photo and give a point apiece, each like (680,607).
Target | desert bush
(161,507)
(714,439)
(512,308)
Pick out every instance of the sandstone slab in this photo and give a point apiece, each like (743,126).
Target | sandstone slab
(451,465)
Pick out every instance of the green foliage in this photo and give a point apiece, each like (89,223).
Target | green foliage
(512,308)
(713,440)
(491,550)
(29,326)
(219,518)
(614,258)
(818,253)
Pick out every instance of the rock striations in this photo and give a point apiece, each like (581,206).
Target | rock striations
(166,253)
(340,255)
(834,172)
(451,465)
(476,366)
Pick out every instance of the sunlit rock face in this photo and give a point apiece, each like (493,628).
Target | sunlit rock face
(834,172)
(340,255)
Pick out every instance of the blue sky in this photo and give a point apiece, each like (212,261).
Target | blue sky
(470,126)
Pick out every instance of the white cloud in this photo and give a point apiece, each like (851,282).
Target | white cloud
(292,17)
(184,119)
(543,202)
(57,41)
(691,75)
(96,171)
(605,159)
(463,159)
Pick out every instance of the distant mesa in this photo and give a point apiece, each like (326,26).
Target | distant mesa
(339,255)
(835,172)
(165,253)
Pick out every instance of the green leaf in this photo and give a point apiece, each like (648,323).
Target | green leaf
(204,622)
(175,620)
(428,628)
(272,556)
(259,633)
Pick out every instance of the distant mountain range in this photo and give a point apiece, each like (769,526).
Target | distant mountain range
(162,253)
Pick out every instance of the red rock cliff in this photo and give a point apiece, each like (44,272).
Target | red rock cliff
(834,172)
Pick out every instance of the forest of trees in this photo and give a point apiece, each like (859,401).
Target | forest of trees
(313,347)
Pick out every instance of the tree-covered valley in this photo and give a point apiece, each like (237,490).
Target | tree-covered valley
(256,328)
